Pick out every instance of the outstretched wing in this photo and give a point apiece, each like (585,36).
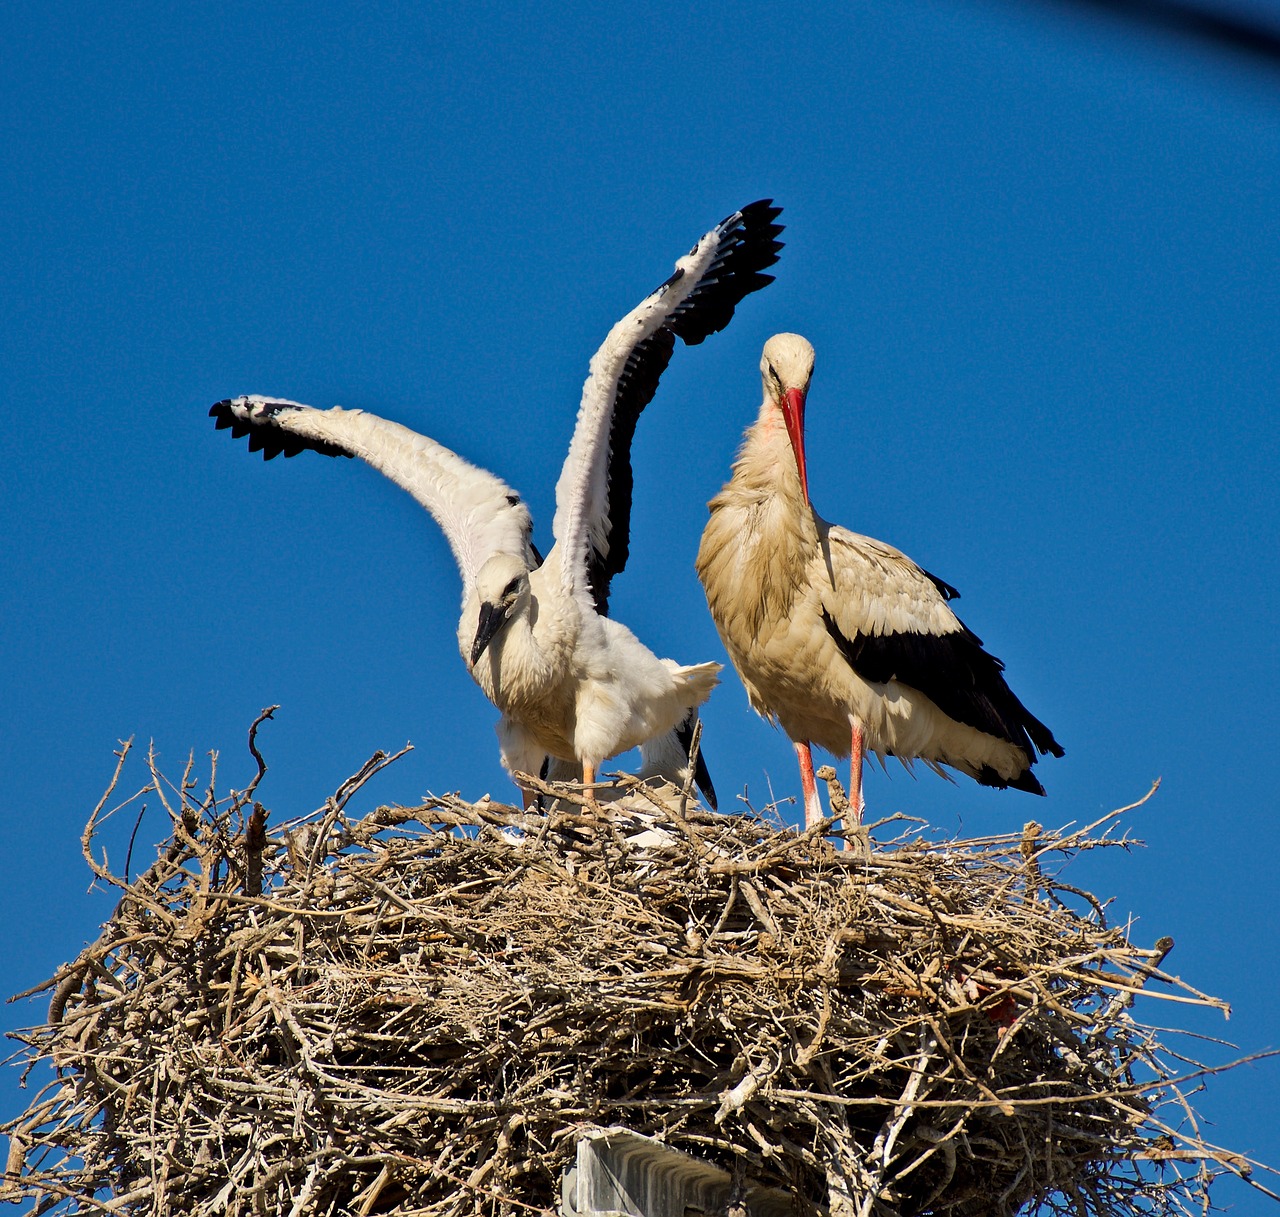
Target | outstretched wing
(593,496)
(891,621)
(480,514)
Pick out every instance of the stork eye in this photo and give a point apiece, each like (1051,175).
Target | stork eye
(511,588)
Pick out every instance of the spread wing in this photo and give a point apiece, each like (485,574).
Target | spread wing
(592,524)
(891,621)
(480,514)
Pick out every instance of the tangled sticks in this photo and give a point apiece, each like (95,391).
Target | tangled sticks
(426,1007)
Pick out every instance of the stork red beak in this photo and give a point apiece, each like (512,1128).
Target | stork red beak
(793,416)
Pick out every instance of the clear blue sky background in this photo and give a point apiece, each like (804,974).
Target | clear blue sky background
(1037,249)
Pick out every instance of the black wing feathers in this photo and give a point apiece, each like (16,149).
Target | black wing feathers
(701,774)
(945,590)
(636,387)
(264,436)
(745,249)
(960,678)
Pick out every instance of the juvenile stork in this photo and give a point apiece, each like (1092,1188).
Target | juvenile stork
(570,682)
(842,639)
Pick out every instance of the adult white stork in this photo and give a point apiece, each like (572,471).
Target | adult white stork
(570,682)
(840,638)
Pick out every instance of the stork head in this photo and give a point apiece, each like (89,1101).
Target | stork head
(786,368)
(502,588)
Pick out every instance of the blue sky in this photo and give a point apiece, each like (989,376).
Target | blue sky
(1035,247)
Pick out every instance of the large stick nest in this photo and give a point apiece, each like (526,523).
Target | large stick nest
(420,1010)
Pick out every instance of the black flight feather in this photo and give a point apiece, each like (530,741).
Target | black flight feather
(747,245)
(960,678)
(264,435)
(701,774)
(945,590)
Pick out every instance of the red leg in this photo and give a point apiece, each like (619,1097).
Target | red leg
(812,808)
(588,781)
(855,774)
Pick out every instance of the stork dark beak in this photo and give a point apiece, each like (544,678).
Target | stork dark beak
(492,618)
(793,416)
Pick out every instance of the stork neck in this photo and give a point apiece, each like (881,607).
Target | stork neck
(766,463)
(539,644)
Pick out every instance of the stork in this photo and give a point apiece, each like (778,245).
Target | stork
(570,682)
(839,638)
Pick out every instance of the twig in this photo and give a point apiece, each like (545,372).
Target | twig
(247,793)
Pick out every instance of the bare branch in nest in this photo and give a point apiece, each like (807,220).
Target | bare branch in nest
(255,841)
(417,1010)
(269,712)
(835,792)
(695,749)
(86,838)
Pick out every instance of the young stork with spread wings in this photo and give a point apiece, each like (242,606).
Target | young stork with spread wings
(571,682)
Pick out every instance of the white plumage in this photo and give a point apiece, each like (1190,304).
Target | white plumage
(571,682)
(840,638)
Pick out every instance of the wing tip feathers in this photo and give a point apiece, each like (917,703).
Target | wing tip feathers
(265,432)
